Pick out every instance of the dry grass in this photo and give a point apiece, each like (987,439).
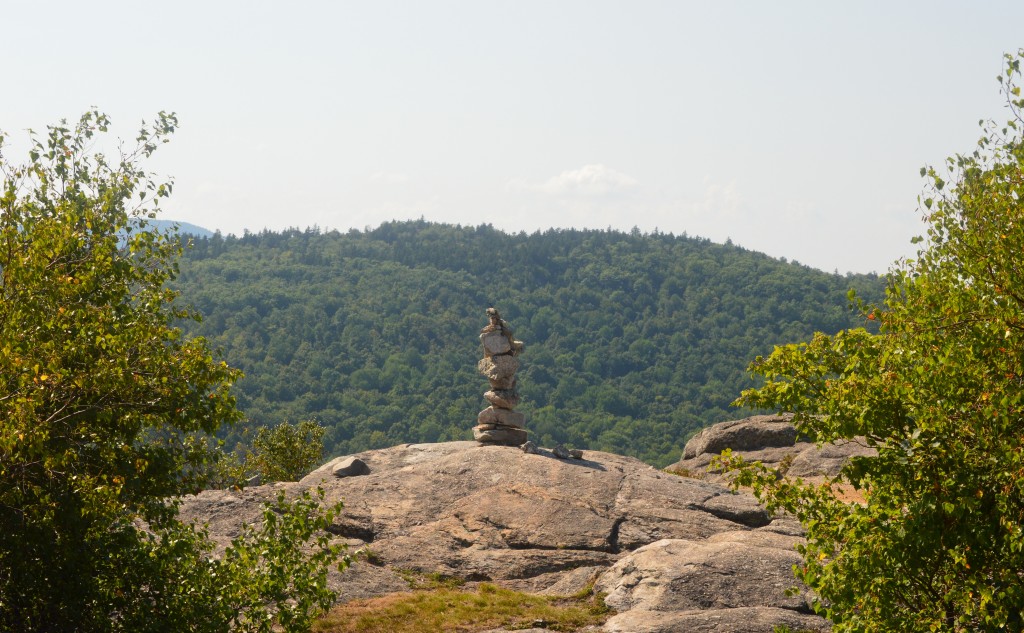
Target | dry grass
(685,472)
(423,580)
(450,609)
(848,494)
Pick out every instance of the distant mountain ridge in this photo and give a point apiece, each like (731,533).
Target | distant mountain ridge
(184,228)
(633,341)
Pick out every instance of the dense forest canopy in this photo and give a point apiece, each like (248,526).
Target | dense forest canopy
(633,341)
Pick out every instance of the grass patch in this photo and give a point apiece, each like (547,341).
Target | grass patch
(369,556)
(449,609)
(421,580)
(681,471)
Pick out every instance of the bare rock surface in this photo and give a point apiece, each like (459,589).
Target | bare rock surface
(350,467)
(734,620)
(753,433)
(540,524)
(771,440)
(717,584)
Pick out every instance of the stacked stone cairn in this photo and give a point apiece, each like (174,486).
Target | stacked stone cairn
(500,423)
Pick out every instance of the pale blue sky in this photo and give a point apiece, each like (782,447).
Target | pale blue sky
(793,128)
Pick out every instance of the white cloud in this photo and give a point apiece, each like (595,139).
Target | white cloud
(589,180)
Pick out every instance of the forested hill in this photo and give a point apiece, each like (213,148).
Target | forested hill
(633,341)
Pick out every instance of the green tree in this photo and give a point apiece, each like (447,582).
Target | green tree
(286,452)
(938,545)
(105,411)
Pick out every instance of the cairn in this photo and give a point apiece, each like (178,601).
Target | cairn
(500,423)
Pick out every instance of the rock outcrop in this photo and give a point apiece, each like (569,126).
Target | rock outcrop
(772,440)
(731,581)
(673,553)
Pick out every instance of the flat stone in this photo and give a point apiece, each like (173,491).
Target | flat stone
(506,436)
(487,417)
(495,343)
(503,398)
(504,417)
(504,384)
(498,368)
(350,467)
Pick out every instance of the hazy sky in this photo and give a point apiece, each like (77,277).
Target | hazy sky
(793,128)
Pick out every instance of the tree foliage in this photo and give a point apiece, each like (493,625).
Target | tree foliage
(938,545)
(104,406)
(284,452)
(287,451)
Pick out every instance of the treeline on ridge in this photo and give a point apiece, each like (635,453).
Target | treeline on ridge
(633,341)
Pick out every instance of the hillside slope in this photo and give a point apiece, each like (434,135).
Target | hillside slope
(633,342)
